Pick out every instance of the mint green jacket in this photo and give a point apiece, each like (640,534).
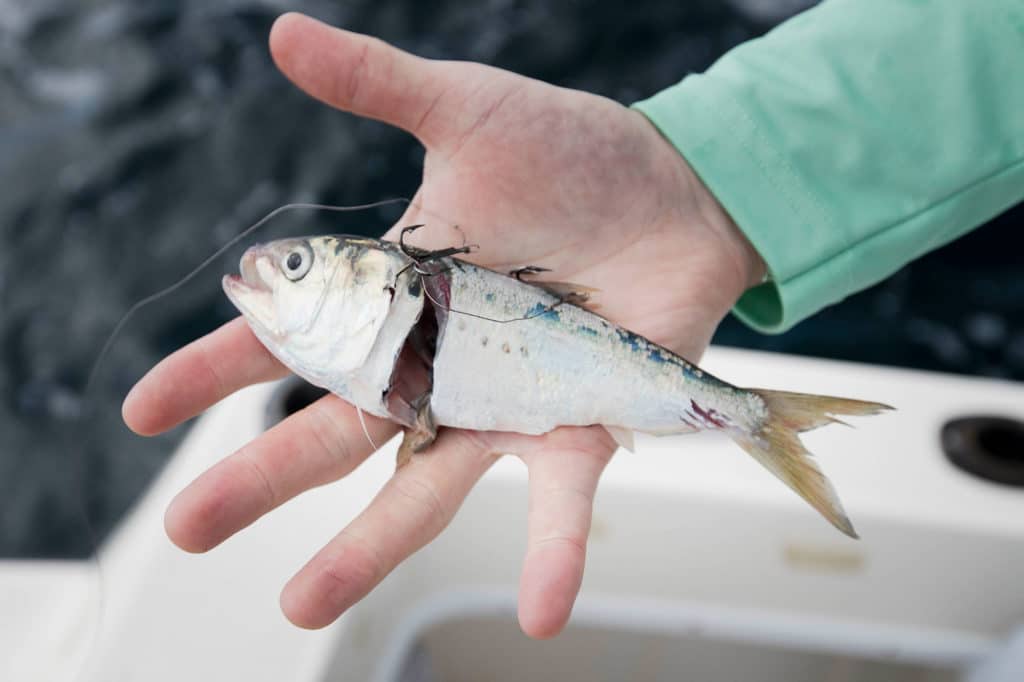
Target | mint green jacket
(854,138)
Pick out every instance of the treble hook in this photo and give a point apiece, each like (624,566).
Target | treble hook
(421,257)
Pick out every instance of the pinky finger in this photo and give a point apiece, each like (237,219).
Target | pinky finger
(562,488)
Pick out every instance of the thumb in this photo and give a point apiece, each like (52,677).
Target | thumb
(361,74)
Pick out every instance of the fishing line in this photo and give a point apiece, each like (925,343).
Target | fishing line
(366,431)
(542,311)
(82,496)
(105,350)
(152,298)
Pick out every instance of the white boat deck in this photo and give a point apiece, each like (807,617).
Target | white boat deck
(690,538)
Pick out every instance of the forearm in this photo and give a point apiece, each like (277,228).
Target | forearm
(854,138)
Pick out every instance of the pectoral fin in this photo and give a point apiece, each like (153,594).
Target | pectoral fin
(421,435)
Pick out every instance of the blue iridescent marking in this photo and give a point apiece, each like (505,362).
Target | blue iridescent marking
(634,341)
(541,310)
(655,355)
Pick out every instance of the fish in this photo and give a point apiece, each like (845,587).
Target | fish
(428,340)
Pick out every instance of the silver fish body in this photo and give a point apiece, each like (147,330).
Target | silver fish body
(512,357)
(435,341)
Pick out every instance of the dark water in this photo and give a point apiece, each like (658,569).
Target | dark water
(136,137)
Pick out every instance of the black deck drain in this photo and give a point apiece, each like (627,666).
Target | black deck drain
(987,446)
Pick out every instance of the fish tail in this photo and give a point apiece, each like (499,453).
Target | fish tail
(776,445)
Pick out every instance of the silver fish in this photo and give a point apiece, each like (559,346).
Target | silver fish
(427,340)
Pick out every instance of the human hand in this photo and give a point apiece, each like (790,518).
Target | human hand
(534,174)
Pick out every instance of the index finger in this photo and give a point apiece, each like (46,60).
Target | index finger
(202,373)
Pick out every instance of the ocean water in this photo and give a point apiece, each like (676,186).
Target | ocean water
(136,137)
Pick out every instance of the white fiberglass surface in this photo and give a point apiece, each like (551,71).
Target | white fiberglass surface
(466,637)
(689,525)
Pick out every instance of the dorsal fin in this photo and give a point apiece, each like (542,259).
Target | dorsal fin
(570,292)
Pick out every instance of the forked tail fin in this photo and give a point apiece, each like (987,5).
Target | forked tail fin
(777,446)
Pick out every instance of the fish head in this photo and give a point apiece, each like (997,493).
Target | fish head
(318,303)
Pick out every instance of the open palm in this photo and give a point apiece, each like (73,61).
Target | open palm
(535,175)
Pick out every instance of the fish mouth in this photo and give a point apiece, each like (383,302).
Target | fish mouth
(252,292)
(252,276)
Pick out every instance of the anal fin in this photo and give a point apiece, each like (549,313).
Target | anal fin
(622,436)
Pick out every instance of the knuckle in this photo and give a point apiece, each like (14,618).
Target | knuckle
(562,516)
(579,500)
(328,437)
(357,567)
(575,544)
(475,445)
(204,354)
(426,499)
(354,84)
(263,480)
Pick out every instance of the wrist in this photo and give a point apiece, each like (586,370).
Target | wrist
(740,264)
(750,268)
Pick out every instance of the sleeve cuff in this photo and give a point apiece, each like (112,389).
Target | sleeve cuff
(755,183)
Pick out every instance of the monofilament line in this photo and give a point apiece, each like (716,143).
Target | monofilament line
(366,431)
(449,309)
(152,298)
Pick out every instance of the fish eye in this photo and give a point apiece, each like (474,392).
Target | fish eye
(297,262)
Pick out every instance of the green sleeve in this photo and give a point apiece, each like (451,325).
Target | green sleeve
(854,138)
